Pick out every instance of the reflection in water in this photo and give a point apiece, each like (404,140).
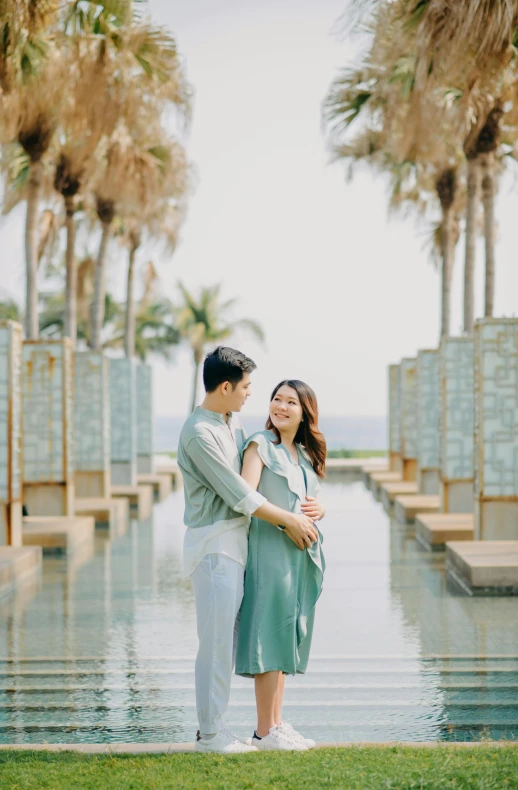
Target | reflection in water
(476,665)
(102,647)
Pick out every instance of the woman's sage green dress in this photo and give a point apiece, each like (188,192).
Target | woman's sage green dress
(282,583)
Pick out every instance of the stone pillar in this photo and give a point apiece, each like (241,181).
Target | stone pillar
(428,421)
(457,404)
(92,425)
(395,464)
(496,429)
(123,423)
(48,477)
(10,434)
(408,384)
(145,459)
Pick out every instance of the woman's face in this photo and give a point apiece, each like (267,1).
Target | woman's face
(285,409)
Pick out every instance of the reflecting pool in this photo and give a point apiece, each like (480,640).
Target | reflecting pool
(101,647)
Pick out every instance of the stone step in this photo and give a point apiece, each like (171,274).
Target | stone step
(389,491)
(434,530)
(406,508)
(484,567)
(168,466)
(140,498)
(377,479)
(112,512)
(58,533)
(17,565)
(162,484)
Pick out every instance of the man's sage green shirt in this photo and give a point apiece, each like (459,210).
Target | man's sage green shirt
(218,502)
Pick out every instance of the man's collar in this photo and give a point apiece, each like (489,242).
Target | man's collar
(216,415)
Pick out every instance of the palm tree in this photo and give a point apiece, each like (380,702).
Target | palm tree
(202,320)
(473,113)
(159,219)
(469,44)
(418,150)
(30,101)
(120,65)
(126,178)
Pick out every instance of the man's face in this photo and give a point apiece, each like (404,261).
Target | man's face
(238,396)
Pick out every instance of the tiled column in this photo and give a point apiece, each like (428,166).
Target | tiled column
(144,375)
(123,424)
(428,421)
(92,425)
(408,379)
(48,477)
(457,404)
(10,434)
(496,429)
(394,418)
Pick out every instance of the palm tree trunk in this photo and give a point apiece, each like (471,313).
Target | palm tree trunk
(71,276)
(97,313)
(31,250)
(446,270)
(195,383)
(471,242)
(488,201)
(129,337)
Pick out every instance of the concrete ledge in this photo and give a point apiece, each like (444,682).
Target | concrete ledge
(17,565)
(369,469)
(389,491)
(162,484)
(140,498)
(406,508)
(356,468)
(484,567)
(435,529)
(112,512)
(167,466)
(377,479)
(169,748)
(58,533)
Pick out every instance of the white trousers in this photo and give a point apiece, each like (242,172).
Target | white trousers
(218,591)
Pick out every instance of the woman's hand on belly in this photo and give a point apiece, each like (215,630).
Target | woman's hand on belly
(313,508)
(301,530)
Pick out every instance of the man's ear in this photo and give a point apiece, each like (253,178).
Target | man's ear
(226,387)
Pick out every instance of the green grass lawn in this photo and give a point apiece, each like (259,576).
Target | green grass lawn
(356,768)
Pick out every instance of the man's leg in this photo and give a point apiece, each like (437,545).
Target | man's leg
(218,591)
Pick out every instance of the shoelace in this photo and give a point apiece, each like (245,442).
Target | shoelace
(282,735)
(227,733)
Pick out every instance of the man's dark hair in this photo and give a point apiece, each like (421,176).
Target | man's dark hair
(225,364)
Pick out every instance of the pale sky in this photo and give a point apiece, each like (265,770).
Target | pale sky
(341,292)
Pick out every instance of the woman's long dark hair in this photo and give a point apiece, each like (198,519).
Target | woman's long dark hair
(308,434)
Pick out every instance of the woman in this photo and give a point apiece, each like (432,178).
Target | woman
(282,581)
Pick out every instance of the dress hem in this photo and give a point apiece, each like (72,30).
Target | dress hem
(261,671)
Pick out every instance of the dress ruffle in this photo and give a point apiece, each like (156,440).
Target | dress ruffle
(276,458)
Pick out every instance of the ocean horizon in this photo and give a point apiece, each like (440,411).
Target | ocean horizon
(342,433)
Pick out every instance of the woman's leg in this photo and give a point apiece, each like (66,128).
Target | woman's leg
(266,686)
(279,697)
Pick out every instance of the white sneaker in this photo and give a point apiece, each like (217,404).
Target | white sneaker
(224,742)
(292,733)
(278,740)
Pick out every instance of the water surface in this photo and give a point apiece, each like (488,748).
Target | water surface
(101,648)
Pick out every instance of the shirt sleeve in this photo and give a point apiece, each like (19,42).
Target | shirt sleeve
(205,453)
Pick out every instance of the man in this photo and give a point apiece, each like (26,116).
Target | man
(218,508)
